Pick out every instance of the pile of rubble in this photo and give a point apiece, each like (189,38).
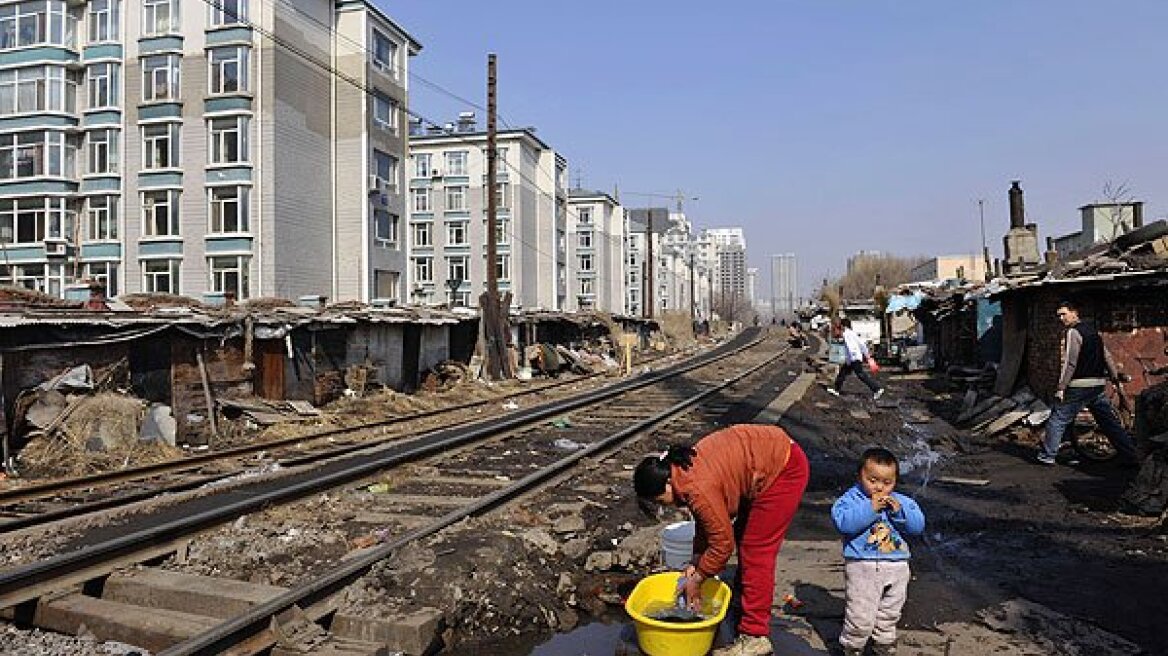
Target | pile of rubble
(987,414)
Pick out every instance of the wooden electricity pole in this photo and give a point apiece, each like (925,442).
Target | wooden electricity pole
(649,262)
(494,324)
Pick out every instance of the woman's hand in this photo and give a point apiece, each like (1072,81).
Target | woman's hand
(693,588)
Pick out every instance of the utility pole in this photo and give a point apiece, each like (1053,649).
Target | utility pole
(649,262)
(985,250)
(494,324)
(492,173)
(693,312)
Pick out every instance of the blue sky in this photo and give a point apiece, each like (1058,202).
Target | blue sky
(824,127)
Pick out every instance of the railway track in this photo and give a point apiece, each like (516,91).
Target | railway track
(468,471)
(43,503)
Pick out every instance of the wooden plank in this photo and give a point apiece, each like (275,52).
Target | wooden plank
(1014,320)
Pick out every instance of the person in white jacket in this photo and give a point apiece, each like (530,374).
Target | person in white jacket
(855,359)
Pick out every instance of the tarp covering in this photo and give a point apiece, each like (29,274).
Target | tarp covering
(898,302)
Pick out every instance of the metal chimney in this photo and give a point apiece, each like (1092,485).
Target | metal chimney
(1017,206)
(1137,214)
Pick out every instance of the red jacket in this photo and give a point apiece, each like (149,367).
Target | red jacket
(732,465)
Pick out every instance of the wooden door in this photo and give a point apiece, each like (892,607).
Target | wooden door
(270,369)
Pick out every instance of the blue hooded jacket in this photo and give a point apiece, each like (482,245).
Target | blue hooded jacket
(871,535)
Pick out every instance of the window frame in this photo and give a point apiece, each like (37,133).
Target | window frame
(456,162)
(221,17)
(103,24)
(219,133)
(111,154)
(173,138)
(150,17)
(422,228)
(455,192)
(454,262)
(455,229)
(421,200)
(390,236)
(102,223)
(422,165)
(218,221)
(150,225)
(173,274)
(219,61)
(218,275)
(109,81)
(171,78)
(423,269)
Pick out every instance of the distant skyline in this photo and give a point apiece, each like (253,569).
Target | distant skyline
(824,127)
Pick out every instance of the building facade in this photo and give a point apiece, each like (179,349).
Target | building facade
(948,267)
(1101,222)
(596,248)
(202,149)
(784,285)
(448,220)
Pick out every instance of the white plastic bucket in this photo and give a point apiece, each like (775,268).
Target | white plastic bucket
(677,544)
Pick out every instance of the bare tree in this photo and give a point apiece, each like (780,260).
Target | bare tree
(869,272)
(1119,198)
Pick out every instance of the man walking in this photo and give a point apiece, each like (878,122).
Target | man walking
(1086,368)
(855,361)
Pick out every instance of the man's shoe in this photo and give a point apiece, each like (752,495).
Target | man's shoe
(1045,459)
(747,645)
(879,393)
(833,391)
(883,650)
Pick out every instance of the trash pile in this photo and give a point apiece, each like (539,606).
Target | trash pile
(987,414)
(554,359)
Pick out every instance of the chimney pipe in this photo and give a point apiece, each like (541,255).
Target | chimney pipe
(1137,215)
(1051,253)
(1017,207)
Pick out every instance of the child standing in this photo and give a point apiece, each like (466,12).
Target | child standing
(871,518)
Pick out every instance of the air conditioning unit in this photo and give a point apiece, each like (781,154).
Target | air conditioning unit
(56,247)
(388,188)
(435,173)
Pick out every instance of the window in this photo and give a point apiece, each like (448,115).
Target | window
(102,151)
(228,139)
(424,269)
(159,17)
(45,278)
(160,145)
(229,69)
(160,77)
(102,218)
(456,199)
(32,220)
(423,234)
(37,89)
(383,53)
(585,261)
(456,233)
(103,20)
(34,154)
(230,275)
(160,213)
(502,234)
(385,283)
(160,276)
(102,85)
(228,12)
(456,163)
(36,23)
(384,112)
(385,168)
(229,208)
(422,200)
(502,195)
(585,239)
(385,227)
(104,274)
(503,267)
(587,286)
(422,165)
(584,215)
(456,268)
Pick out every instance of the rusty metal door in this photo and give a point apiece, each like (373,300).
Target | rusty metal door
(270,369)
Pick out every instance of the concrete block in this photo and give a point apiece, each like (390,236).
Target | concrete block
(154,629)
(188,593)
(413,634)
(336,647)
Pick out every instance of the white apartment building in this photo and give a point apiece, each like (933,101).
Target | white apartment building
(203,149)
(596,248)
(448,220)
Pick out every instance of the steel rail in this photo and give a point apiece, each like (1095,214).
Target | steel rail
(259,617)
(26,582)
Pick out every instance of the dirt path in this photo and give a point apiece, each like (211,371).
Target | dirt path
(1035,562)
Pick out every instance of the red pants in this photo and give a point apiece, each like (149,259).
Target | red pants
(760,530)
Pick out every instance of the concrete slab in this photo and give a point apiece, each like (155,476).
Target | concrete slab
(188,593)
(783,402)
(413,634)
(335,647)
(154,629)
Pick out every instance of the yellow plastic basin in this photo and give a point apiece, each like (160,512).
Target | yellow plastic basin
(673,639)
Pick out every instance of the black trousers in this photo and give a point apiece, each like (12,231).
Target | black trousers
(861,371)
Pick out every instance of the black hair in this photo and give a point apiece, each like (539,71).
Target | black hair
(880,456)
(846,322)
(653,473)
(1068,304)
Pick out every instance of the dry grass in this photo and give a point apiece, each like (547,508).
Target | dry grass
(677,328)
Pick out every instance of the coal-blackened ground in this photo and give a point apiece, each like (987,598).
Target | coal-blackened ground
(1049,535)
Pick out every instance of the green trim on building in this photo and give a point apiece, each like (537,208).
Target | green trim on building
(226,245)
(94,185)
(24,254)
(229,175)
(456,215)
(160,44)
(421,183)
(227,104)
(160,248)
(49,54)
(37,187)
(110,117)
(103,51)
(160,110)
(228,35)
(162,179)
(37,121)
(101,251)
(422,216)
(456,179)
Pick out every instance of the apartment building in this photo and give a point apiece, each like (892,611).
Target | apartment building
(448,219)
(596,244)
(203,149)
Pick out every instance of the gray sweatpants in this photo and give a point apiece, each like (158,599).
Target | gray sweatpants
(875,592)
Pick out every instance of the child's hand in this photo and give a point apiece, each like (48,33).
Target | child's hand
(892,504)
(877,504)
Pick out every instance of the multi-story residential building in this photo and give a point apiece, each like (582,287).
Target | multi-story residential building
(728,237)
(1101,222)
(202,148)
(448,220)
(596,243)
(784,285)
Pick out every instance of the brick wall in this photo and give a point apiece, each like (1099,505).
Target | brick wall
(1133,322)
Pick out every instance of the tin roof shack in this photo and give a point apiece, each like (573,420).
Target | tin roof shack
(959,325)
